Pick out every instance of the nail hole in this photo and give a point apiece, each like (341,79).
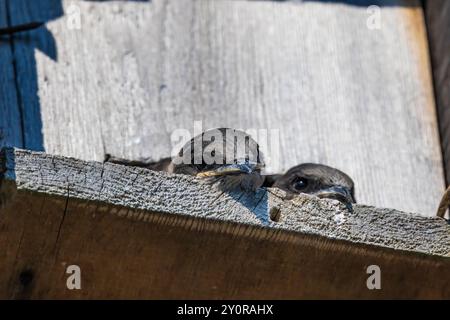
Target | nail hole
(275,214)
(26,277)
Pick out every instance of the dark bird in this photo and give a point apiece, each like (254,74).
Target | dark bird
(316,179)
(225,156)
(228,156)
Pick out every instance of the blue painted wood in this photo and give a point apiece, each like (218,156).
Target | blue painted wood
(10,115)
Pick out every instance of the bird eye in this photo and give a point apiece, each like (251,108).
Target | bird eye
(300,183)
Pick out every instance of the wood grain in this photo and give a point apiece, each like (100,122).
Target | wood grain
(339,93)
(136,233)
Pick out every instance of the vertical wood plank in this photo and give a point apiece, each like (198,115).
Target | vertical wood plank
(10,117)
(27,47)
(438,23)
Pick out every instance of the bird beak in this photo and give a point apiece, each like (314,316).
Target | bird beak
(231,169)
(339,193)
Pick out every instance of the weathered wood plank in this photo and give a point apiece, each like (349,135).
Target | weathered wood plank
(340,93)
(10,118)
(438,23)
(136,233)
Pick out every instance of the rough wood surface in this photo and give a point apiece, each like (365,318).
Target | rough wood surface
(136,233)
(438,23)
(340,93)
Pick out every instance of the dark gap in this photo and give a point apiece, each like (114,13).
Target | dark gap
(26,277)
(435,92)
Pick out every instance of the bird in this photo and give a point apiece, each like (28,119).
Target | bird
(315,179)
(20,28)
(230,157)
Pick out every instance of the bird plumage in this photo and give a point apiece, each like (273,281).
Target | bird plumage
(228,156)
(232,159)
(319,180)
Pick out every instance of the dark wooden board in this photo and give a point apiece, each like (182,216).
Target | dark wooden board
(141,234)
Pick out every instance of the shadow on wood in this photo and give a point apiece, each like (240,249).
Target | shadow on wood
(22,123)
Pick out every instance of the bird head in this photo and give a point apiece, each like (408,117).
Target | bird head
(227,155)
(319,180)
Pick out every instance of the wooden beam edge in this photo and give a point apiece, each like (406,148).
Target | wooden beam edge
(155,197)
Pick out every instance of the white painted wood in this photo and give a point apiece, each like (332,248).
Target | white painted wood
(339,93)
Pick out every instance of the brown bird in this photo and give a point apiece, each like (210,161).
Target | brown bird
(225,156)
(316,179)
(228,156)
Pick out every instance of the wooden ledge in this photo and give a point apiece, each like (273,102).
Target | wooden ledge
(136,233)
